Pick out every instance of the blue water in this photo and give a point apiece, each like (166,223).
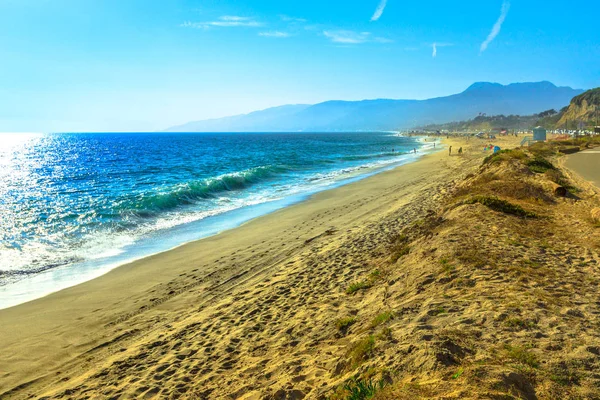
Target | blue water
(73,206)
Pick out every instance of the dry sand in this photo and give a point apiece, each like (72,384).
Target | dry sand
(250,313)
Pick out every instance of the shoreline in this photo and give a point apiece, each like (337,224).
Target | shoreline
(113,316)
(63,277)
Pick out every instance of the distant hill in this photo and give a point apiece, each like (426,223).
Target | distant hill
(584,109)
(386,114)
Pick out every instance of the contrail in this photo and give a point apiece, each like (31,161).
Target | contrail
(497,26)
(379,10)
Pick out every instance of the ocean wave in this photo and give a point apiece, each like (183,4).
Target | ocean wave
(149,205)
(373,156)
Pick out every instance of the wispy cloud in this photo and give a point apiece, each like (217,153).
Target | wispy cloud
(497,26)
(435,46)
(347,37)
(352,37)
(274,34)
(225,21)
(379,11)
(287,18)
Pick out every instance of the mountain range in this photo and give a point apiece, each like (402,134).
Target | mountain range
(387,114)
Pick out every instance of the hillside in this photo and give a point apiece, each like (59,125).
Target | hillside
(387,114)
(499,122)
(584,108)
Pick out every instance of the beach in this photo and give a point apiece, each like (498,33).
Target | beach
(140,302)
(249,313)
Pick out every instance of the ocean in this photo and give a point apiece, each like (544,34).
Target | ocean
(74,206)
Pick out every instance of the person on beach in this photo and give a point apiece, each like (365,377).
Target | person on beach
(450,150)
(415,150)
(460,151)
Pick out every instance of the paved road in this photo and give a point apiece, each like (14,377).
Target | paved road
(586,164)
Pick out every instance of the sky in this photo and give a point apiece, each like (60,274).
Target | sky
(143,65)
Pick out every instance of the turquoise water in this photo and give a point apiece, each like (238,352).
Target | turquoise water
(73,206)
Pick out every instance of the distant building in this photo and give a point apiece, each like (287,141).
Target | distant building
(597,129)
(539,134)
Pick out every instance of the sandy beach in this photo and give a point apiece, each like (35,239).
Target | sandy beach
(228,275)
(250,313)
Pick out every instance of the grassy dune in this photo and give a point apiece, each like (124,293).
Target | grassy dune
(497,297)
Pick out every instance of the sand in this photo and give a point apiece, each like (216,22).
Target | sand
(249,313)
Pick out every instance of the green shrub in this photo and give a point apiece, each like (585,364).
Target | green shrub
(504,155)
(358,389)
(540,165)
(500,205)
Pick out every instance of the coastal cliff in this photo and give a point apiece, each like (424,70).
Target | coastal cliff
(584,108)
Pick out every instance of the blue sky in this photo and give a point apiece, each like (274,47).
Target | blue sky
(127,65)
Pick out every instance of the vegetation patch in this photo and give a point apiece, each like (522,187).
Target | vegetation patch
(503,156)
(474,257)
(543,149)
(519,323)
(522,355)
(564,374)
(343,324)
(366,284)
(356,286)
(447,266)
(458,373)
(540,165)
(381,319)
(361,351)
(400,248)
(502,206)
(385,334)
(358,389)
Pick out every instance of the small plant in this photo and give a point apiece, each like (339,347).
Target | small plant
(399,248)
(375,275)
(458,374)
(439,311)
(356,286)
(447,267)
(361,351)
(519,324)
(398,251)
(522,355)
(343,324)
(381,319)
(503,206)
(359,389)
